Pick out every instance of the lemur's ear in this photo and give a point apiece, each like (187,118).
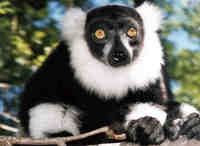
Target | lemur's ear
(151,15)
(73,24)
(138,3)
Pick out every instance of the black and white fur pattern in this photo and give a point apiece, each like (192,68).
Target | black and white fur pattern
(74,92)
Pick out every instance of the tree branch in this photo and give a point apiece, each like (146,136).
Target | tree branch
(163,88)
(9,141)
(61,141)
(8,128)
(9,116)
(4,86)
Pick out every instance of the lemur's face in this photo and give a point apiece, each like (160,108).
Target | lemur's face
(114,34)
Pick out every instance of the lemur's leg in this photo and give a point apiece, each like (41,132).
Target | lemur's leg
(46,119)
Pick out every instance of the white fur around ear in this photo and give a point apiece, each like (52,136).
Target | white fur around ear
(73,23)
(151,15)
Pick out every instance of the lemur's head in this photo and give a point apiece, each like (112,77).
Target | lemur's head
(114,48)
(114,34)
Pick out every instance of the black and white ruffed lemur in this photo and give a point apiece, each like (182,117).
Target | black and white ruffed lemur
(106,70)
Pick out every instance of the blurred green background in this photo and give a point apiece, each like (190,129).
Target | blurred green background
(30,30)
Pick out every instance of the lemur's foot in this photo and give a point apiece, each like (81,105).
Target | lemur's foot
(145,130)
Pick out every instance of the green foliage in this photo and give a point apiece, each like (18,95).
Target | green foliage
(28,35)
(24,45)
(188,75)
(4,8)
(184,63)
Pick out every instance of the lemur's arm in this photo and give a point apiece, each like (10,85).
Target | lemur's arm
(159,122)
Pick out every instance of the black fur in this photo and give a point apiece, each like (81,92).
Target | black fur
(112,12)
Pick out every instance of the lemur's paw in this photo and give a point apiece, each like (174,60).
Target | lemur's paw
(145,130)
(172,129)
(191,127)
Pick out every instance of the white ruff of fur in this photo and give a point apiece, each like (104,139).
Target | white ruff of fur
(102,79)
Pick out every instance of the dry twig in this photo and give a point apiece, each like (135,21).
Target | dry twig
(4,85)
(163,88)
(9,116)
(60,141)
(8,128)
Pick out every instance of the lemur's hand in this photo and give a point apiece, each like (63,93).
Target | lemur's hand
(145,130)
(191,127)
(144,123)
(184,121)
(188,127)
(172,128)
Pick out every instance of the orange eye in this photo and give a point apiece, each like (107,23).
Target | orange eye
(131,32)
(100,34)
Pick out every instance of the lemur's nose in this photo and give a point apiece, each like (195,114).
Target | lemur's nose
(118,57)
